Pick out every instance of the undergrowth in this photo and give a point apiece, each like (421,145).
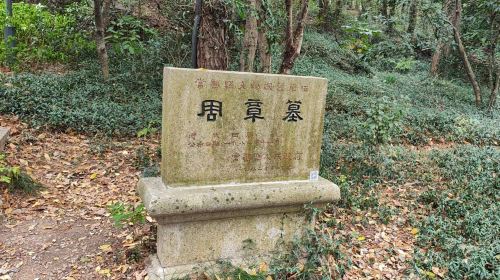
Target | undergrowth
(15,179)
(436,110)
(462,231)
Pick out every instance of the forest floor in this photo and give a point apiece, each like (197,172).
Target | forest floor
(65,231)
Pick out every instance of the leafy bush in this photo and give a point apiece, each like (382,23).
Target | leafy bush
(383,120)
(386,53)
(405,65)
(131,100)
(360,37)
(127,35)
(42,36)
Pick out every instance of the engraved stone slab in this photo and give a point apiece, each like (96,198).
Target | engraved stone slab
(222,127)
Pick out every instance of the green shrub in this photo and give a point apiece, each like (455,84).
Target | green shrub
(386,53)
(42,36)
(15,179)
(123,214)
(383,121)
(360,37)
(127,35)
(7,172)
(405,65)
(131,100)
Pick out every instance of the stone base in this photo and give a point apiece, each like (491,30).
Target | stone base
(157,272)
(239,223)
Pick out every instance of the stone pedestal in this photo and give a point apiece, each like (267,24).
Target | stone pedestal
(240,223)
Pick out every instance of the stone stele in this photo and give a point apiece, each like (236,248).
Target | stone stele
(240,159)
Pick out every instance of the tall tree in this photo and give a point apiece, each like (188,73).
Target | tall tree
(101,16)
(493,67)
(384,8)
(293,35)
(463,53)
(441,42)
(255,39)
(324,9)
(413,18)
(250,39)
(212,50)
(263,42)
(338,9)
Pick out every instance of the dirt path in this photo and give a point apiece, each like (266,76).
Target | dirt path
(65,232)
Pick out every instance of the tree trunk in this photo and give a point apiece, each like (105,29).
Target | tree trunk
(263,43)
(412,22)
(324,9)
(441,43)
(212,50)
(264,52)
(436,57)
(383,9)
(494,92)
(247,55)
(463,55)
(293,41)
(101,21)
(337,11)
(493,69)
(451,12)
(390,11)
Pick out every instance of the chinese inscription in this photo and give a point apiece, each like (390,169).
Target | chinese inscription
(293,113)
(211,108)
(254,110)
(221,127)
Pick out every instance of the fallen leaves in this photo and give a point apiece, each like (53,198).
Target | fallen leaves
(415,231)
(106,248)
(64,232)
(103,271)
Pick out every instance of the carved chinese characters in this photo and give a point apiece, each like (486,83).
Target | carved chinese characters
(223,127)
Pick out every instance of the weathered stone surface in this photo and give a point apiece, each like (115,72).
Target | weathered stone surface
(202,224)
(282,142)
(4,135)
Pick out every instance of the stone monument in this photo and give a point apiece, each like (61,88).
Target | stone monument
(240,159)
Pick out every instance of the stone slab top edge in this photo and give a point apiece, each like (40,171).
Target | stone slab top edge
(236,199)
(243,73)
